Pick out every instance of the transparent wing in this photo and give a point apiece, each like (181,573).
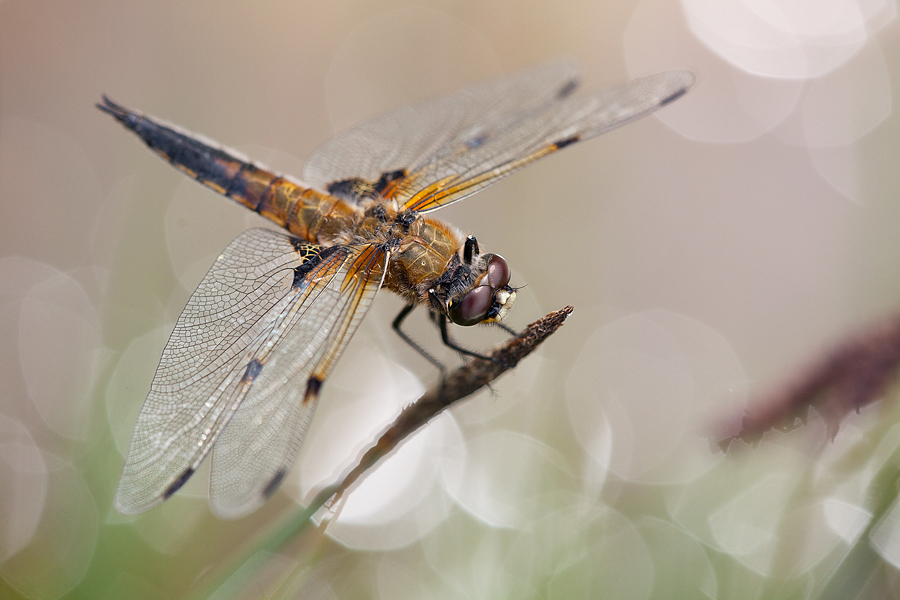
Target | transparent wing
(504,150)
(422,134)
(257,448)
(430,154)
(248,303)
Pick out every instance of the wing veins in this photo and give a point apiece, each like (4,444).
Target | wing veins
(262,438)
(223,327)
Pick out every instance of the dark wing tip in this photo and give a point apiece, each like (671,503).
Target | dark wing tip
(313,385)
(674,96)
(682,82)
(273,484)
(176,485)
(571,79)
(568,87)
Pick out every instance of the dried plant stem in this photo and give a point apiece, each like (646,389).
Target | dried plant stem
(854,372)
(464,381)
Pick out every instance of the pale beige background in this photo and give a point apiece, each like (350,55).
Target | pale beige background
(705,256)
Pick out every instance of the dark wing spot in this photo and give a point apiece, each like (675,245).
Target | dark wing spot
(387,178)
(356,188)
(176,485)
(311,263)
(253,369)
(673,97)
(568,141)
(326,252)
(351,190)
(300,274)
(476,141)
(302,247)
(312,389)
(316,256)
(567,88)
(272,486)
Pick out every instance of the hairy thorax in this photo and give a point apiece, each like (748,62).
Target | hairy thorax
(420,248)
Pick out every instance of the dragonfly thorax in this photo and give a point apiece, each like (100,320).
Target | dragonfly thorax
(434,265)
(422,253)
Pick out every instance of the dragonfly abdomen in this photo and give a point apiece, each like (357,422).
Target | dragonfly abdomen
(307,213)
(214,167)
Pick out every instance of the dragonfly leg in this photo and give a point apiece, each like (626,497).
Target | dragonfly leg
(445,337)
(398,321)
(507,329)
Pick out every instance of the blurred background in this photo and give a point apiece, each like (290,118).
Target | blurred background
(708,251)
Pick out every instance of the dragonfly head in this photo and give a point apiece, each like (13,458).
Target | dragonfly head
(477,292)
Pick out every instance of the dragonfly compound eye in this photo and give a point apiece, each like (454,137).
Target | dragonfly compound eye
(473,308)
(497,272)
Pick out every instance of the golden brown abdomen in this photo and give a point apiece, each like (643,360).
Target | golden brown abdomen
(307,213)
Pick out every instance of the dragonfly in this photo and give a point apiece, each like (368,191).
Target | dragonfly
(243,369)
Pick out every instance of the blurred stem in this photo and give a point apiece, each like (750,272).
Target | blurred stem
(783,560)
(857,568)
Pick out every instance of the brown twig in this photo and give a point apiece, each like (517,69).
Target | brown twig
(855,372)
(464,381)
(459,384)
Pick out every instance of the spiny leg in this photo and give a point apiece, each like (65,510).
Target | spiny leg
(441,321)
(507,329)
(445,337)
(396,325)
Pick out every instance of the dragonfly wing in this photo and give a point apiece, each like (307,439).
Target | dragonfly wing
(516,142)
(430,154)
(256,449)
(206,369)
(409,138)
